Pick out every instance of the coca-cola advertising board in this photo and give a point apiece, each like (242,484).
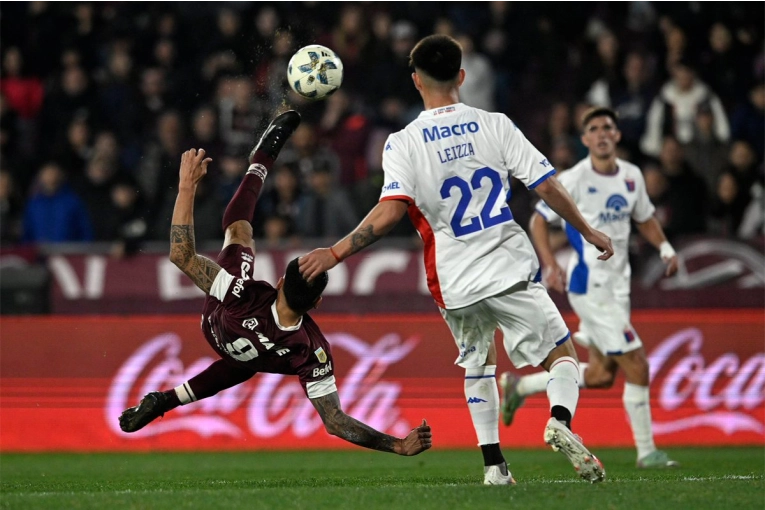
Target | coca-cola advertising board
(65,380)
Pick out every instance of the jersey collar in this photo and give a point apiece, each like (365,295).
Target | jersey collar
(441,111)
(278,324)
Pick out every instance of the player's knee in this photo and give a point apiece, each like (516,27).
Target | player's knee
(600,379)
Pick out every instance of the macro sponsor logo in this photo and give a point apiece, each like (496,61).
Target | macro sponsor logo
(616,210)
(440,132)
(274,404)
(718,391)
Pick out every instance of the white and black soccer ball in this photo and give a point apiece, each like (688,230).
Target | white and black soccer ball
(315,72)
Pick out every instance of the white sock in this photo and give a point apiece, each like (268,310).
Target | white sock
(636,402)
(533,383)
(185,395)
(582,368)
(562,388)
(482,398)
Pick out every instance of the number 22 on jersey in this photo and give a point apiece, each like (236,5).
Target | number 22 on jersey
(485,219)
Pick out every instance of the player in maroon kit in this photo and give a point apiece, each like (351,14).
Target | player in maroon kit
(253,326)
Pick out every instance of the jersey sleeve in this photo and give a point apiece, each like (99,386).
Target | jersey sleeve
(523,160)
(544,210)
(317,371)
(238,260)
(399,183)
(643,209)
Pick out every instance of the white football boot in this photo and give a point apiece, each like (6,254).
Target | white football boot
(492,475)
(561,439)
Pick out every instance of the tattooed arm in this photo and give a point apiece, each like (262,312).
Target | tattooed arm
(380,220)
(183,254)
(343,426)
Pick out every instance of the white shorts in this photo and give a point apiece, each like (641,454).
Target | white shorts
(530,322)
(604,322)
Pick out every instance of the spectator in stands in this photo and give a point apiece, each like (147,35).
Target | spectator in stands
(629,96)
(327,210)
(748,121)
(742,164)
(706,154)
(270,78)
(23,93)
(232,168)
(673,111)
(156,173)
(73,99)
(283,199)
(478,88)
(11,208)
(95,188)
(305,153)
(154,98)
(722,64)
(130,227)
(55,213)
(349,38)
(347,130)
(118,99)
(685,197)
(204,134)
(241,115)
(76,149)
(277,231)
(728,206)
(560,128)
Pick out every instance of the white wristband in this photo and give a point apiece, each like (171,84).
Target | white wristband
(666,251)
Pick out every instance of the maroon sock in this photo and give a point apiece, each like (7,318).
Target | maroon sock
(217,377)
(242,205)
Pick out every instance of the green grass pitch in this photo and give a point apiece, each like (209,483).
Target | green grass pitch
(716,478)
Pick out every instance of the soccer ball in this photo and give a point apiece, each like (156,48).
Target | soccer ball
(315,72)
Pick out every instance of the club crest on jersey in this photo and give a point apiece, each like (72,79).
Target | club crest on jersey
(250,323)
(321,355)
(630,185)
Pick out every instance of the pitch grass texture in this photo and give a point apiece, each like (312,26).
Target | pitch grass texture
(709,478)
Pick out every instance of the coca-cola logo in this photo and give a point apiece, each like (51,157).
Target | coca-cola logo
(721,390)
(274,403)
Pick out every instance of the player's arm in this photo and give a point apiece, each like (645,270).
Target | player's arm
(653,233)
(345,427)
(559,200)
(540,236)
(183,253)
(380,220)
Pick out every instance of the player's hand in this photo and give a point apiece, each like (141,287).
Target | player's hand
(602,242)
(671,263)
(418,440)
(316,262)
(555,278)
(193,167)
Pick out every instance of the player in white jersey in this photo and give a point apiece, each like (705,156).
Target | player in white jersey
(609,192)
(450,169)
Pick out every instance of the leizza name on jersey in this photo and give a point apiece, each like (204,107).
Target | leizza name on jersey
(462,150)
(441,132)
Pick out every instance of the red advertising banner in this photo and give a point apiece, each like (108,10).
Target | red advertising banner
(65,380)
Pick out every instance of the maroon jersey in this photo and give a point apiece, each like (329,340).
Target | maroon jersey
(239,321)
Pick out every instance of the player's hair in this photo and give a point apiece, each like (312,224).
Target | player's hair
(598,111)
(301,295)
(437,56)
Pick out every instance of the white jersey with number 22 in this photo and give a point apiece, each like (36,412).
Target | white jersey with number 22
(452,165)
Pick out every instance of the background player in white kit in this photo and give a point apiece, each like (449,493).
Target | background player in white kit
(450,168)
(609,192)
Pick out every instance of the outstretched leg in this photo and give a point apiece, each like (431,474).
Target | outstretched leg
(217,377)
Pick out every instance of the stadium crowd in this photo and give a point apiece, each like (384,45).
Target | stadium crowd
(98,101)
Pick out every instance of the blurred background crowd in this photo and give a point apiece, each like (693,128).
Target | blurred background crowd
(98,100)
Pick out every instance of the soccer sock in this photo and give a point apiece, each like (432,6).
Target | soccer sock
(483,403)
(533,383)
(563,389)
(215,378)
(636,402)
(242,205)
